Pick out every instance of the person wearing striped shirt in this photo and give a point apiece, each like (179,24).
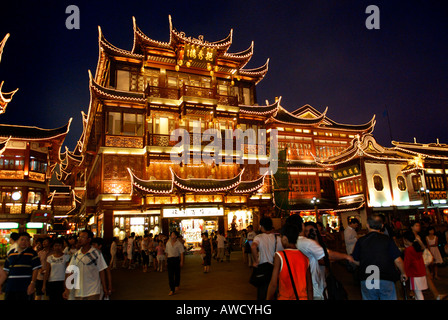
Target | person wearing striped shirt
(21,265)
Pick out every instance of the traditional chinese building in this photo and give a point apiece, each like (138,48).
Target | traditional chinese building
(122,168)
(306,187)
(407,181)
(28,156)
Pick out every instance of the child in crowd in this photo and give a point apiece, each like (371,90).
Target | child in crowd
(161,256)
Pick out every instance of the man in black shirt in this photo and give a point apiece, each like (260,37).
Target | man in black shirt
(377,256)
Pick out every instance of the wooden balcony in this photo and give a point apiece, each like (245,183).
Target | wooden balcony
(190,91)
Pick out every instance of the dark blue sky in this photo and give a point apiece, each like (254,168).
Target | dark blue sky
(320,54)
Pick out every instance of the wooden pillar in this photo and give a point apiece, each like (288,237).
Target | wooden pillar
(165,227)
(108,225)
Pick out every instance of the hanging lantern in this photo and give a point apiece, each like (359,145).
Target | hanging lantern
(216,68)
(232,83)
(188,64)
(180,62)
(209,67)
(212,73)
(176,67)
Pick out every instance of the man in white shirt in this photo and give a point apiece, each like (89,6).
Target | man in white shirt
(315,254)
(89,267)
(263,249)
(175,261)
(350,235)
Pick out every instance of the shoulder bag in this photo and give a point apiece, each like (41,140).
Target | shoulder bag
(290,275)
(334,289)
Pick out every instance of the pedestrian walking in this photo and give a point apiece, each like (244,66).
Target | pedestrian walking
(350,235)
(414,265)
(21,265)
(315,253)
(43,255)
(90,269)
(113,254)
(98,243)
(415,227)
(175,261)
(207,251)
(161,256)
(432,242)
(221,245)
(145,251)
(54,277)
(130,250)
(377,249)
(263,249)
(291,273)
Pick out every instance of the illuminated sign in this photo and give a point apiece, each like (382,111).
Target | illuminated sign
(137,221)
(346,172)
(41,215)
(34,225)
(9,225)
(192,212)
(199,54)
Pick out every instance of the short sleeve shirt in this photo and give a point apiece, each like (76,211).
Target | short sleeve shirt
(175,250)
(58,267)
(20,267)
(267,246)
(89,265)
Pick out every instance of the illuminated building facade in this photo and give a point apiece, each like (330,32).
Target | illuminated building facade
(121,167)
(28,156)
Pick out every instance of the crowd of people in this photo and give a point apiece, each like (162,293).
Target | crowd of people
(292,264)
(295,263)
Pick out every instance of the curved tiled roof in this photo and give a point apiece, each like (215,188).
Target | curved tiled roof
(32,133)
(206,185)
(260,110)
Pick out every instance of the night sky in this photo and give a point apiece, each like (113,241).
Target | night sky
(321,53)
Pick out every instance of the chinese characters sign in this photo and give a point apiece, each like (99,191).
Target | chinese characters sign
(346,172)
(199,54)
(192,212)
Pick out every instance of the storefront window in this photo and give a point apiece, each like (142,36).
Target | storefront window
(239,219)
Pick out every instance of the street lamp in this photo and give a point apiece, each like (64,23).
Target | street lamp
(315,202)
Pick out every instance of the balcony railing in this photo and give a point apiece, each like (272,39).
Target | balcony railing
(191,91)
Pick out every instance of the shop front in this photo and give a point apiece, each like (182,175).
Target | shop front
(126,222)
(239,219)
(6,228)
(192,222)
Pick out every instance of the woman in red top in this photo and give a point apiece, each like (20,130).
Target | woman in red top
(414,265)
(299,266)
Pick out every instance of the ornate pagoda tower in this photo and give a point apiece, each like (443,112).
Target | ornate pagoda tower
(121,167)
